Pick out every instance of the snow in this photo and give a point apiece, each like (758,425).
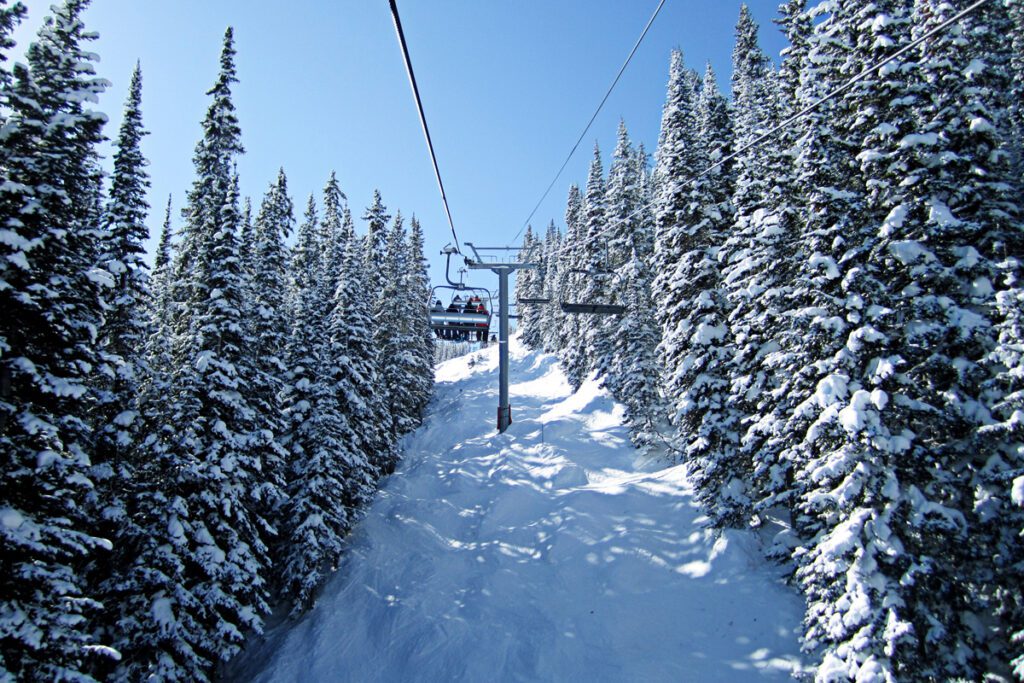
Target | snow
(101,277)
(940,214)
(548,553)
(908,252)
(11,518)
(1018,491)
(827,263)
(919,139)
(981,125)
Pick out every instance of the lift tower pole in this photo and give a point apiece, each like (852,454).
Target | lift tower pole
(504,408)
(502,269)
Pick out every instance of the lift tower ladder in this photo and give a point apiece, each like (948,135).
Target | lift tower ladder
(502,267)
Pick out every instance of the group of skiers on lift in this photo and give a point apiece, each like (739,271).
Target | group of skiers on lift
(472,304)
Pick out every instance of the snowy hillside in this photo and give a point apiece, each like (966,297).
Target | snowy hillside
(545,553)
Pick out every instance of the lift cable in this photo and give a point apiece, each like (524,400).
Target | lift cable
(592,118)
(423,118)
(806,110)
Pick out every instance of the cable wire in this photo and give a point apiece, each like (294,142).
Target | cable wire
(592,118)
(423,117)
(806,110)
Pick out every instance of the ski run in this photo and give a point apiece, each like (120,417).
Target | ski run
(548,553)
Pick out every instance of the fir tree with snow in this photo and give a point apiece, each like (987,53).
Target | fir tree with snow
(50,292)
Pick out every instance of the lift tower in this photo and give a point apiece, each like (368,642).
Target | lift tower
(502,267)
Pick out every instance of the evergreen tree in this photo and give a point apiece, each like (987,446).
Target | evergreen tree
(528,285)
(268,317)
(378,436)
(757,265)
(336,231)
(124,331)
(320,441)
(351,372)
(551,322)
(396,348)
(205,533)
(420,380)
(123,369)
(50,295)
(595,287)
(570,286)
(636,369)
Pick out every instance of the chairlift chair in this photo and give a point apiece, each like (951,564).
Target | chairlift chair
(461,324)
(595,308)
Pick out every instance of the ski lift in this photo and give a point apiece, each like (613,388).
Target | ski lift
(467,317)
(535,300)
(595,308)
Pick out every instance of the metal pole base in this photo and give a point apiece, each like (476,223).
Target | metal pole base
(504,418)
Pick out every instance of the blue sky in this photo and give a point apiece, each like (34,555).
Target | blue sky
(507,87)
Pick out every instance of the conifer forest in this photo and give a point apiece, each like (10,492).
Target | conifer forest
(823,319)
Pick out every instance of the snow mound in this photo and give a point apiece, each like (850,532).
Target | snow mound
(541,554)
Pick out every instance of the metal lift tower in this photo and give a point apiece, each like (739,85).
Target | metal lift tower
(502,268)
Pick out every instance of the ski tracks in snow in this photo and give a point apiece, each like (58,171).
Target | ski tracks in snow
(542,554)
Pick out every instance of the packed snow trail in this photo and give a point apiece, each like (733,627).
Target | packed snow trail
(541,554)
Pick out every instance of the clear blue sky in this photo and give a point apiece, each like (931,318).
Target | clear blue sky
(507,86)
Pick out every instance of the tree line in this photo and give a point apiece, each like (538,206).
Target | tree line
(827,326)
(183,448)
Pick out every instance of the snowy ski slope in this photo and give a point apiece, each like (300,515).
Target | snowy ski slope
(544,554)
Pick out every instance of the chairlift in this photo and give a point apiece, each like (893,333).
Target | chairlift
(467,317)
(535,300)
(595,308)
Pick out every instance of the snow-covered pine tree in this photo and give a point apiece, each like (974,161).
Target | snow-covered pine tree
(396,340)
(631,370)
(378,437)
(693,216)
(123,370)
(635,368)
(268,320)
(374,249)
(757,265)
(320,442)
(528,285)
(50,296)
(162,261)
(623,197)
(551,322)
(247,240)
(674,164)
(351,371)
(125,327)
(597,286)
(420,382)
(893,485)
(570,287)
(337,230)
(212,478)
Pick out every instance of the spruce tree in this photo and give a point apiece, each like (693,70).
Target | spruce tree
(124,370)
(526,286)
(351,372)
(320,442)
(379,431)
(267,309)
(50,292)
(552,315)
(757,264)
(211,487)
(420,382)
(125,329)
